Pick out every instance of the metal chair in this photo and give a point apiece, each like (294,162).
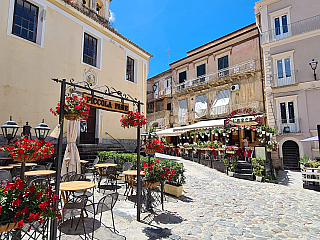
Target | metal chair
(110,174)
(106,203)
(66,177)
(74,207)
(48,166)
(38,167)
(5,176)
(109,160)
(91,167)
(39,182)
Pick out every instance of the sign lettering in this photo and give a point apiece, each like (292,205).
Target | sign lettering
(244,110)
(106,104)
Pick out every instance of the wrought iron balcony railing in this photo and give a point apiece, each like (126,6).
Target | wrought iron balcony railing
(284,78)
(286,126)
(293,29)
(241,68)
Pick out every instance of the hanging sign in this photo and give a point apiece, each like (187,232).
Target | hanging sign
(246,111)
(106,104)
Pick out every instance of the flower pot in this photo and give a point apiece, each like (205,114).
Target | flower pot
(152,184)
(230,173)
(230,151)
(9,226)
(173,190)
(269,150)
(217,134)
(259,179)
(224,134)
(263,132)
(25,160)
(71,116)
(150,151)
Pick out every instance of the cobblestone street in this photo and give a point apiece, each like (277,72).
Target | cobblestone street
(215,206)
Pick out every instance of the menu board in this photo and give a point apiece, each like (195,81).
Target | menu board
(260,152)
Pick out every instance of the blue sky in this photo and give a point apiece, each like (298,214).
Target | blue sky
(180,25)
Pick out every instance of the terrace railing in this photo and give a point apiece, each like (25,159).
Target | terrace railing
(293,29)
(287,126)
(284,78)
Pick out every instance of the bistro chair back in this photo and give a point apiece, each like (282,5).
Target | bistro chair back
(106,203)
(39,182)
(66,177)
(38,167)
(127,166)
(5,176)
(109,160)
(48,166)
(77,177)
(16,172)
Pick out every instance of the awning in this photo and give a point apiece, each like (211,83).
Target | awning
(202,124)
(316,138)
(169,132)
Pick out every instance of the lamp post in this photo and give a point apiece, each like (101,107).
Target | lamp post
(9,129)
(27,130)
(313,64)
(42,130)
(154,89)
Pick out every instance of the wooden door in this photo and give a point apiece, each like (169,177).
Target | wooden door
(87,136)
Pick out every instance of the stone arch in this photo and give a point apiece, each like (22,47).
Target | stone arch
(282,141)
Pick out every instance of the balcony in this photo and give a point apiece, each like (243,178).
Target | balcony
(284,79)
(287,126)
(293,29)
(91,13)
(242,68)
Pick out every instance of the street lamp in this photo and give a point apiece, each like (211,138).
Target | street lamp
(26,130)
(313,64)
(154,89)
(42,130)
(9,129)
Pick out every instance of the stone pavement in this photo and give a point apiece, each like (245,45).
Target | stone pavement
(215,206)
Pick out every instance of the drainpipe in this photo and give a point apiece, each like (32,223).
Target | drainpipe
(262,75)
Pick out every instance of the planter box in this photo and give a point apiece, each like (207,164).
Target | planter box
(219,165)
(230,174)
(173,190)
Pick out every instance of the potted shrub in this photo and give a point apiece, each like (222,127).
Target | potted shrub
(304,161)
(174,185)
(231,165)
(258,168)
(153,145)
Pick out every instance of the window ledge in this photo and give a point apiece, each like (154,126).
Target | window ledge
(97,68)
(131,82)
(25,40)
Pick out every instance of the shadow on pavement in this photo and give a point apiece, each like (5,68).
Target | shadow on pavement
(154,232)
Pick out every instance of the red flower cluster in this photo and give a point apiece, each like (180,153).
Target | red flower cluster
(29,150)
(155,144)
(157,172)
(74,105)
(22,204)
(133,119)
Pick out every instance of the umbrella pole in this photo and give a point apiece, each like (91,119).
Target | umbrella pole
(53,232)
(138,172)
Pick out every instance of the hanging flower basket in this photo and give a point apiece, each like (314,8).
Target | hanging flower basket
(74,108)
(133,119)
(9,226)
(152,184)
(72,116)
(153,146)
(24,150)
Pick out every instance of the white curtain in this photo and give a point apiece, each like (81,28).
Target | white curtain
(201,107)
(183,111)
(71,159)
(220,105)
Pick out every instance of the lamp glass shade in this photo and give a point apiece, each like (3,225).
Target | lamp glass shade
(144,135)
(9,129)
(313,64)
(154,87)
(41,130)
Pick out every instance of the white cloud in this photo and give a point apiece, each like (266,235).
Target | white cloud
(112,17)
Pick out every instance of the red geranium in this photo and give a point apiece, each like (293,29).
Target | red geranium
(133,119)
(154,144)
(73,105)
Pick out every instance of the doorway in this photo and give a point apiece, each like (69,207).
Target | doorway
(88,128)
(291,156)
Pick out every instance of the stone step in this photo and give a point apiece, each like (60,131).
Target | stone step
(243,176)
(244,171)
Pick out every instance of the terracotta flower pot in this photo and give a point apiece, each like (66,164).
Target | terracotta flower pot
(150,151)
(152,184)
(9,226)
(25,160)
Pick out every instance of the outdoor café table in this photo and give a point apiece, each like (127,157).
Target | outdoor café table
(84,161)
(4,159)
(130,179)
(74,186)
(6,167)
(39,173)
(102,165)
(26,164)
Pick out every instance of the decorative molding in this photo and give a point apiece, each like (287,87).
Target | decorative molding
(91,77)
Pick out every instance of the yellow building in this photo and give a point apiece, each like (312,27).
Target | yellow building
(45,39)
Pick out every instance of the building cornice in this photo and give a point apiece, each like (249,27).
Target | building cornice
(263,3)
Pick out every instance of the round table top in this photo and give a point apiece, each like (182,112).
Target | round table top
(6,167)
(19,164)
(83,161)
(99,165)
(76,186)
(133,173)
(39,173)
(6,158)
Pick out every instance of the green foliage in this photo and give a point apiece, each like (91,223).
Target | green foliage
(305,160)
(314,164)
(178,178)
(231,163)
(270,178)
(151,129)
(258,166)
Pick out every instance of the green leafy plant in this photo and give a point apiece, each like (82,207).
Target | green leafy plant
(270,178)
(305,160)
(314,164)
(258,166)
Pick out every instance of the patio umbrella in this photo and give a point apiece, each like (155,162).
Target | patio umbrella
(310,139)
(71,159)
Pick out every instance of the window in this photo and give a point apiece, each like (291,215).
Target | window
(156,92)
(25,20)
(130,69)
(223,63)
(281,27)
(284,74)
(201,107)
(90,50)
(201,70)
(182,111)
(287,112)
(169,106)
(182,76)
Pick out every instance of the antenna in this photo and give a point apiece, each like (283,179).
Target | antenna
(168,56)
